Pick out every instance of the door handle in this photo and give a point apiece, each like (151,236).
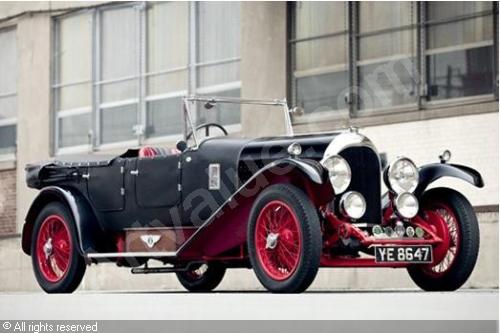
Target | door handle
(134,172)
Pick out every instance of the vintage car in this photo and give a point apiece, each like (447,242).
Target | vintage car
(284,206)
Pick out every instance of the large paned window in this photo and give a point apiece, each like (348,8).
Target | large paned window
(167,63)
(320,54)
(8,92)
(218,57)
(119,74)
(121,70)
(386,49)
(372,57)
(460,49)
(73,80)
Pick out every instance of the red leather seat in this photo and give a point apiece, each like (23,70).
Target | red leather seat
(150,152)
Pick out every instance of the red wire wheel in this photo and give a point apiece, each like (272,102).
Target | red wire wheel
(449,231)
(284,239)
(58,265)
(54,248)
(451,216)
(278,240)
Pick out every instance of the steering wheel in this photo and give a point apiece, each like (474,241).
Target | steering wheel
(207,126)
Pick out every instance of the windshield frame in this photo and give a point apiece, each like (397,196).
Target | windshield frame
(190,100)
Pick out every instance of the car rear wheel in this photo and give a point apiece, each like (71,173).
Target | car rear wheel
(58,266)
(456,223)
(284,239)
(204,277)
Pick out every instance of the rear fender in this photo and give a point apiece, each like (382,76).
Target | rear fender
(431,172)
(89,232)
(226,228)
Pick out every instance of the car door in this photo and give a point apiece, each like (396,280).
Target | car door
(157,181)
(105,186)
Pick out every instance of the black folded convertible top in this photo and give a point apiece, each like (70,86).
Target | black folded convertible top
(36,173)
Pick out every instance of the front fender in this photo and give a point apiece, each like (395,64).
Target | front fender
(431,172)
(308,175)
(226,228)
(312,169)
(85,221)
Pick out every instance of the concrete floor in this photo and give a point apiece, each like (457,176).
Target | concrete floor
(387,304)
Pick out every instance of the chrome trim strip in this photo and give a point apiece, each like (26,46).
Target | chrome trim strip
(351,138)
(232,100)
(130,255)
(159,228)
(364,225)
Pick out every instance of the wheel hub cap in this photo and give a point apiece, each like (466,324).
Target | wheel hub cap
(272,240)
(47,248)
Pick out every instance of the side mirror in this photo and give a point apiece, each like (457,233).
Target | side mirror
(181,145)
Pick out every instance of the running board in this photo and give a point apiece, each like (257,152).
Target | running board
(130,255)
(149,270)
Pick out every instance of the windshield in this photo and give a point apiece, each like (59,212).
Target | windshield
(220,116)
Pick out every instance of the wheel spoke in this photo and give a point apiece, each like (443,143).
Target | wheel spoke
(285,250)
(277,238)
(63,249)
(53,248)
(60,260)
(57,267)
(451,227)
(292,248)
(284,259)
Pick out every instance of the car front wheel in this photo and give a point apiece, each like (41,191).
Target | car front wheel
(284,239)
(456,223)
(58,266)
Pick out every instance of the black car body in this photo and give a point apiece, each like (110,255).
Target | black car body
(209,206)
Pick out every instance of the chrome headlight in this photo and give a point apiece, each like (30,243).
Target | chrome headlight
(353,205)
(339,172)
(406,205)
(402,175)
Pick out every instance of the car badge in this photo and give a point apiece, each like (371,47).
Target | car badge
(214,176)
(150,240)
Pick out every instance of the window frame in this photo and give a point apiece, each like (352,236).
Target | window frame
(412,27)
(55,86)
(424,24)
(195,64)
(145,75)
(11,121)
(141,98)
(373,116)
(292,42)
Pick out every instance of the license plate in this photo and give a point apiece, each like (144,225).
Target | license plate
(420,254)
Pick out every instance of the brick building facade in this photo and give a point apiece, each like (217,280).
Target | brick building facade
(8,202)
